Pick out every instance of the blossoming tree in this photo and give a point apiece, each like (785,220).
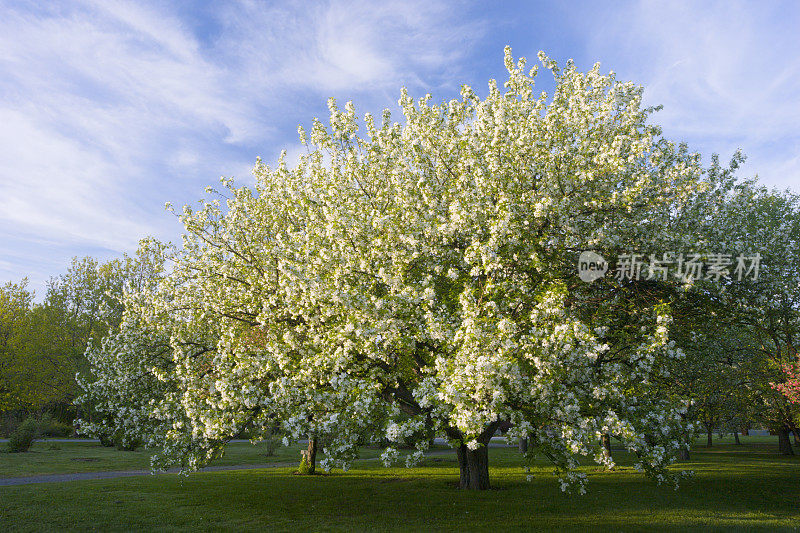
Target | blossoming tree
(765,309)
(791,387)
(421,276)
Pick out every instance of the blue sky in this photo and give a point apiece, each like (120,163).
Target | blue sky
(110,109)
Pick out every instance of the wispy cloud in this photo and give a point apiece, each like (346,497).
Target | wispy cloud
(727,73)
(349,44)
(109,109)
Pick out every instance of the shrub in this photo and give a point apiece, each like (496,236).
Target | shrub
(51,427)
(125,444)
(22,438)
(270,445)
(271,442)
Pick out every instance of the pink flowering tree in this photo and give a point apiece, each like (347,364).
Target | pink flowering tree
(791,386)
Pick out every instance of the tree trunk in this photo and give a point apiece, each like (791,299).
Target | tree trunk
(683,454)
(473,466)
(310,454)
(796,432)
(523,445)
(710,439)
(784,444)
(736,436)
(430,430)
(605,440)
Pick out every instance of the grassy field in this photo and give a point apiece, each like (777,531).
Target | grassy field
(735,487)
(53,457)
(68,457)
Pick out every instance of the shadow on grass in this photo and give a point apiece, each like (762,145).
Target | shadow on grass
(754,493)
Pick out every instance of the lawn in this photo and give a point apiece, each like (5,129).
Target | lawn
(53,457)
(735,487)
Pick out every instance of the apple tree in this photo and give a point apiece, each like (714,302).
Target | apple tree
(420,276)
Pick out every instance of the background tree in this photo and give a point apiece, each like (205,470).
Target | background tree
(42,344)
(761,307)
(145,346)
(769,224)
(17,373)
(791,386)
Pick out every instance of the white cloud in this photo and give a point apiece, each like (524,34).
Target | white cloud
(50,184)
(109,109)
(353,45)
(727,73)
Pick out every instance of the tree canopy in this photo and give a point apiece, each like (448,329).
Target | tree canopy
(420,276)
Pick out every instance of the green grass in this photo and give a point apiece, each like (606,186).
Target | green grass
(53,457)
(70,457)
(735,487)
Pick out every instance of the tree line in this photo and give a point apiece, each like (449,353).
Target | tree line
(43,344)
